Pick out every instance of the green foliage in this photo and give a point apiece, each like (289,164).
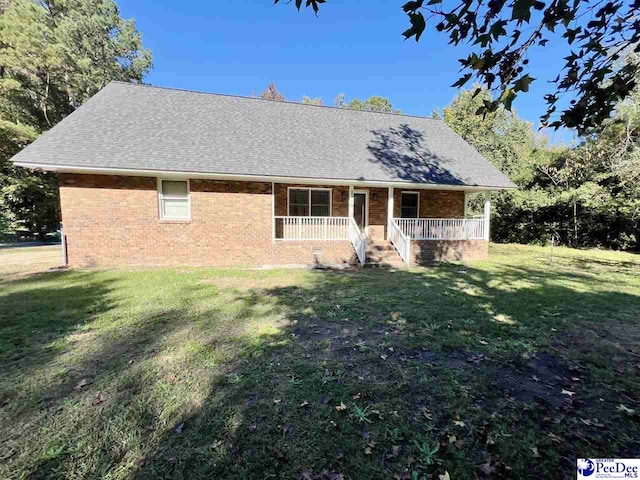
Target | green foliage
(371,104)
(595,37)
(312,101)
(202,374)
(584,196)
(54,55)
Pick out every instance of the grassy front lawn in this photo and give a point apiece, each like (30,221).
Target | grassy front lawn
(510,368)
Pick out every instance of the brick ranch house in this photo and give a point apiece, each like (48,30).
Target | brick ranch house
(157,176)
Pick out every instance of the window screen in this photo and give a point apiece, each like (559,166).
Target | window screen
(298,203)
(320,203)
(409,205)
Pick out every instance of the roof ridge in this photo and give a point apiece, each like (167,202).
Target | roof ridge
(287,102)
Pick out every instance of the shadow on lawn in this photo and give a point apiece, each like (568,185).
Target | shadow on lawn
(389,342)
(34,318)
(363,340)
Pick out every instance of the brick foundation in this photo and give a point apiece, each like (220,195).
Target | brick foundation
(425,252)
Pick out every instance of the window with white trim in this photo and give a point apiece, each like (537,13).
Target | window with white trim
(174,199)
(309,202)
(409,202)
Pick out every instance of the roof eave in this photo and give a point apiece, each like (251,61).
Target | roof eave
(248,177)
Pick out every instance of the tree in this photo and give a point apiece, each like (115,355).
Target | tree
(54,55)
(272,93)
(311,101)
(371,104)
(588,195)
(597,36)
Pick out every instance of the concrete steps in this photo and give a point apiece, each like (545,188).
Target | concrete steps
(381,253)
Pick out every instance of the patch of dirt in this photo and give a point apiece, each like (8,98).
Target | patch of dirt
(251,283)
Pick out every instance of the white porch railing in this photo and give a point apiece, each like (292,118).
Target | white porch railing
(312,228)
(358,241)
(400,241)
(443,228)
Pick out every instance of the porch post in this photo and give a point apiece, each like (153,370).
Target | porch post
(389,212)
(487,214)
(351,204)
(466,204)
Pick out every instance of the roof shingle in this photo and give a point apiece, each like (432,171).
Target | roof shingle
(140,127)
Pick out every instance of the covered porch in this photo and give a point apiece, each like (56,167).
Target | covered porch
(411,220)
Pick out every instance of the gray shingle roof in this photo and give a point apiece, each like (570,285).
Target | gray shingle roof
(149,128)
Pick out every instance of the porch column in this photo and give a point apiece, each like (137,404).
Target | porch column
(351,201)
(466,204)
(389,211)
(487,214)
(273,211)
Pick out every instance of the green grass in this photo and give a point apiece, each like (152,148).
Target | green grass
(201,373)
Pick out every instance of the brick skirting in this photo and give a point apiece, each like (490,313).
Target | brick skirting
(425,252)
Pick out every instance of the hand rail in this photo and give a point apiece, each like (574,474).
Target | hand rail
(358,241)
(443,228)
(311,228)
(400,241)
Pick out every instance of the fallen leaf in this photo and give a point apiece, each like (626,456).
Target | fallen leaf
(367,451)
(304,404)
(277,401)
(427,413)
(99,398)
(535,452)
(252,428)
(458,423)
(356,396)
(624,409)
(83,383)
(592,423)
(445,476)
(384,357)
(481,342)
(341,407)
(555,438)
(171,460)
(567,392)
(487,469)
(452,438)
(179,429)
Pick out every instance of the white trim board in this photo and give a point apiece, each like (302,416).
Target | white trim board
(249,178)
(366,206)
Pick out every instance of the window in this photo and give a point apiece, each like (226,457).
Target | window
(174,200)
(305,202)
(409,204)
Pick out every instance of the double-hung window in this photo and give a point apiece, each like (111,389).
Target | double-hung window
(409,202)
(174,199)
(309,202)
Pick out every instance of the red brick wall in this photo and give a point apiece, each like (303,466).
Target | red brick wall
(434,203)
(425,252)
(114,220)
(378,213)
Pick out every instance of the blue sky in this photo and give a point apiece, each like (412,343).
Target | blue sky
(353,47)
